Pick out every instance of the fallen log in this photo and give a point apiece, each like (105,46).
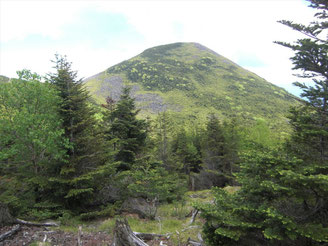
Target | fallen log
(148,236)
(123,235)
(28,223)
(7,234)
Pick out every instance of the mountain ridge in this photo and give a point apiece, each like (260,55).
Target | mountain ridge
(193,80)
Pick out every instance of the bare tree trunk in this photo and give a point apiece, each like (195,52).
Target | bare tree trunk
(5,216)
(193,216)
(123,235)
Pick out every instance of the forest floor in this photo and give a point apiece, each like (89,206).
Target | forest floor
(32,235)
(173,221)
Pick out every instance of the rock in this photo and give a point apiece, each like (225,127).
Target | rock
(141,207)
(108,194)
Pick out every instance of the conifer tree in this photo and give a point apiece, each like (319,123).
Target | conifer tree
(129,131)
(163,131)
(214,147)
(310,121)
(86,154)
(185,153)
(283,196)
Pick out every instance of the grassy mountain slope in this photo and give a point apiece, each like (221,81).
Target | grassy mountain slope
(193,80)
(4,79)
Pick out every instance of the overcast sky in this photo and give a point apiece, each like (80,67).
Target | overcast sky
(98,34)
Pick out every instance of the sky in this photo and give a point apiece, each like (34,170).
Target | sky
(96,35)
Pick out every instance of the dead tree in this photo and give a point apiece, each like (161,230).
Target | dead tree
(5,216)
(193,216)
(124,236)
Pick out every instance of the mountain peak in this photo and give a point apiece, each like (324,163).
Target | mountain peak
(192,79)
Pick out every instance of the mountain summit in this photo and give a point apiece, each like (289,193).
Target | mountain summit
(193,80)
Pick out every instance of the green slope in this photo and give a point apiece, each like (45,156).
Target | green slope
(193,80)
(4,79)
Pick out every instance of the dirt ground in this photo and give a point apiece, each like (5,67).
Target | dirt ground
(32,234)
(29,234)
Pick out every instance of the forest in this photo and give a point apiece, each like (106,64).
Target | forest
(65,158)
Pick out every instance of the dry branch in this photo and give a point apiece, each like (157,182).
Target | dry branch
(7,234)
(28,223)
(193,216)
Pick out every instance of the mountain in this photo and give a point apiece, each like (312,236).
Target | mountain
(4,79)
(193,81)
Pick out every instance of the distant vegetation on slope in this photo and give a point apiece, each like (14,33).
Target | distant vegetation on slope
(193,80)
(4,79)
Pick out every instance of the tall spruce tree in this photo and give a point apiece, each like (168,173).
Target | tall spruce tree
(283,197)
(214,147)
(310,121)
(129,132)
(185,153)
(77,182)
(162,130)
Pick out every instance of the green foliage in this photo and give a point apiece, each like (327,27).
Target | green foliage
(3,79)
(162,130)
(157,76)
(283,195)
(275,203)
(310,138)
(154,182)
(108,211)
(215,149)
(32,142)
(186,152)
(87,160)
(260,134)
(128,133)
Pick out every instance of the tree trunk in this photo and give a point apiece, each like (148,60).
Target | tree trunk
(123,235)
(5,216)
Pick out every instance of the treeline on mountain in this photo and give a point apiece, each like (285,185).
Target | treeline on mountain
(61,155)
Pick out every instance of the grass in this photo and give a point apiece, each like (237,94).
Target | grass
(172,219)
(231,189)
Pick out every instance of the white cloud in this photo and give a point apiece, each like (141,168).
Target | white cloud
(231,28)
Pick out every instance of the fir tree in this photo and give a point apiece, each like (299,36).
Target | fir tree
(283,197)
(86,154)
(310,121)
(185,153)
(214,147)
(129,132)
(163,131)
